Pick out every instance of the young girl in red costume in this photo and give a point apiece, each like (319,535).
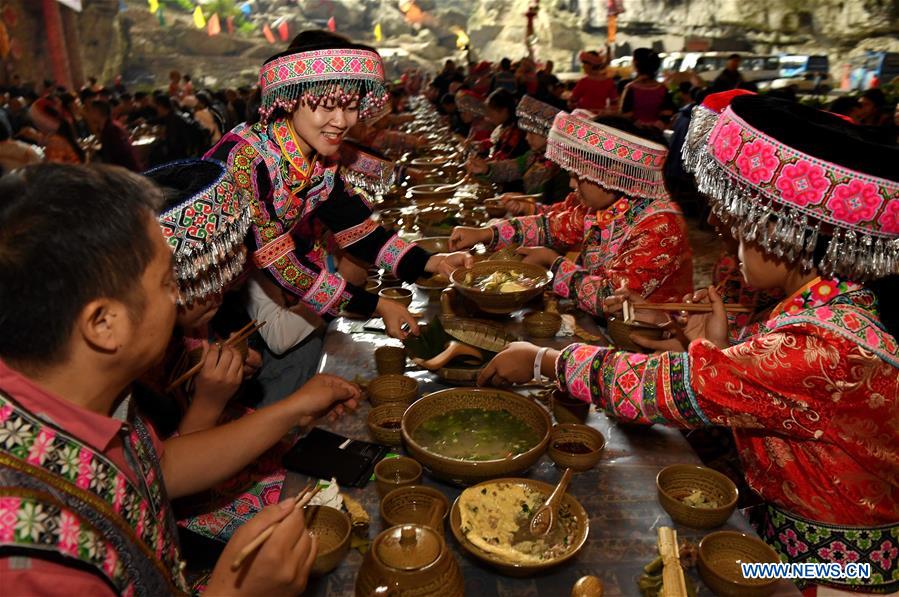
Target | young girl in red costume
(628,231)
(811,391)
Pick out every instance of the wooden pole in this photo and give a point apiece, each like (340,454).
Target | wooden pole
(56,43)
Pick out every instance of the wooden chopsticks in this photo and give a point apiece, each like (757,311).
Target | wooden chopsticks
(239,336)
(302,500)
(691,307)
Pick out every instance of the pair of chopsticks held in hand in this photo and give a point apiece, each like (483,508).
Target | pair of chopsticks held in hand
(628,310)
(302,499)
(239,336)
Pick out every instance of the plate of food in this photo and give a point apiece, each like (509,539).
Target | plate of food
(490,521)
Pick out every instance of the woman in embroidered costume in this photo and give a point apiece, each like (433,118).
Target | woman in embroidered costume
(312,94)
(620,217)
(84,487)
(538,174)
(200,195)
(506,141)
(473,114)
(811,393)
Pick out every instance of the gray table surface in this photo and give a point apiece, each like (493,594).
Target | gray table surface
(619,493)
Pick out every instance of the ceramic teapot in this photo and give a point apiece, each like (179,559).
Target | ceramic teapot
(409,560)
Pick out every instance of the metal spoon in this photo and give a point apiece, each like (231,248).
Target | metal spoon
(545,516)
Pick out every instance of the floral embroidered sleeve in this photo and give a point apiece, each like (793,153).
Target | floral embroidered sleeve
(767,382)
(560,229)
(348,214)
(647,257)
(273,249)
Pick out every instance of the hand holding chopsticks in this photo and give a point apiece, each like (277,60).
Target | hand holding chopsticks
(302,499)
(239,336)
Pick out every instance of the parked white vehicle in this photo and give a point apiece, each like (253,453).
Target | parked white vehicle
(753,67)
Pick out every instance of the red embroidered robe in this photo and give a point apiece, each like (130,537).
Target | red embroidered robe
(812,396)
(639,242)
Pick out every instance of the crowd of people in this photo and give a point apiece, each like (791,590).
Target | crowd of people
(257,205)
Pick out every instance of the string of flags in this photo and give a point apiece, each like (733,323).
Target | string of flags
(213,24)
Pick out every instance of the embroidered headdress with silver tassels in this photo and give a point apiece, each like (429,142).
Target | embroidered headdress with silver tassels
(206,229)
(342,75)
(535,116)
(607,156)
(781,198)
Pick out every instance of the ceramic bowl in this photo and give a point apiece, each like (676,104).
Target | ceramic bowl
(677,481)
(402,296)
(495,208)
(411,504)
(426,192)
(332,527)
(385,389)
(620,333)
(432,286)
(575,446)
(720,555)
(373,285)
(391,473)
(520,570)
(390,281)
(466,472)
(542,324)
(390,359)
(434,244)
(500,302)
(567,409)
(385,423)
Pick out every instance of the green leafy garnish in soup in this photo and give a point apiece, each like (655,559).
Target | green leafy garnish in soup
(476,434)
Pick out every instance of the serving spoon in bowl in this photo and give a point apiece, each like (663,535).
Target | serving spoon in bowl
(545,517)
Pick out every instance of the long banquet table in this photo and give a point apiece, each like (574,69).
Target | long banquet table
(619,493)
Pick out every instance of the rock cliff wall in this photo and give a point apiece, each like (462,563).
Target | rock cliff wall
(133,42)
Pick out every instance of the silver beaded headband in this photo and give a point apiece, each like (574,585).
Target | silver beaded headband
(205,231)
(341,75)
(780,198)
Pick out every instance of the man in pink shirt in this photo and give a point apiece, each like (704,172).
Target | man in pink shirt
(87,304)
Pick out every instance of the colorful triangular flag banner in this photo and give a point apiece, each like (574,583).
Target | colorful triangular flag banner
(199,19)
(153,6)
(215,26)
(379,35)
(332,24)
(267,32)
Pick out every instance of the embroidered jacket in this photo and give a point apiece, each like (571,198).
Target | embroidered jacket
(508,141)
(811,395)
(538,174)
(479,132)
(60,495)
(642,243)
(287,192)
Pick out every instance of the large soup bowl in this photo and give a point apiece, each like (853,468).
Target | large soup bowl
(467,472)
